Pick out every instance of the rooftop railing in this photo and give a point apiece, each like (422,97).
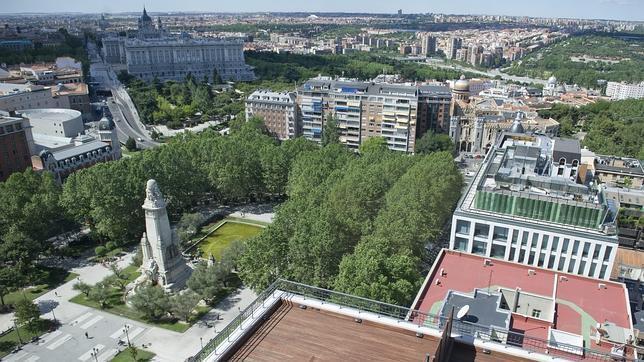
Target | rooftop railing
(406,315)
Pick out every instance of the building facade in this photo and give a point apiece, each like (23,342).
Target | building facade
(524,205)
(620,91)
(16,144)
(400,113)
(156,54)
(279,111)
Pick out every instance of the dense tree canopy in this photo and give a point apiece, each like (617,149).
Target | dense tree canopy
(613,128)
(584,60)
(358,223)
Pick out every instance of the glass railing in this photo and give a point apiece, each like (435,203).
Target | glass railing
(403,314)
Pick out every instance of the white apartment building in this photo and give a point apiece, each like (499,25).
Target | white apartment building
(620,91)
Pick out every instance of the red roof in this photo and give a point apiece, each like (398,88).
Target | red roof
(465,272)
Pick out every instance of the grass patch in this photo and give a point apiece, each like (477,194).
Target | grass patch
(221,238)
(46,279)
(10,341)
(126,355)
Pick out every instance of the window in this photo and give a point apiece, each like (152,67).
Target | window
(562,262)
(512,253)
(531,258)
(462,227)
(564,248)
(479,247)
(482,230)
(596,252)
(609,249)
(551,262)
(536,313)
(498,251)
(460,244)
(602,272)
(575,247)
(544,242)
(555,244)
(542,258)
(515,237)
(571,266)
(593,266)
(500,233)
(584,253)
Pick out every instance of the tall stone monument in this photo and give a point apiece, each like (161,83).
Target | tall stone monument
(163,263)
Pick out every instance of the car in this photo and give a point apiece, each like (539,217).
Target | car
(470,173)
(139,139)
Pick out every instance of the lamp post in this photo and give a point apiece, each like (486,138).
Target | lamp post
(94,353)
(54,315)
(201,340)
(126,329)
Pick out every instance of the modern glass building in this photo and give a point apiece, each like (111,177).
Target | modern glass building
(526,205)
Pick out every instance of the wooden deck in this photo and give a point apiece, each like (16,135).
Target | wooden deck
(294,334)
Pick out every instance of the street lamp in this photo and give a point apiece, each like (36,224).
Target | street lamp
(127,335)
(94,353)
(201,340)
(54,315)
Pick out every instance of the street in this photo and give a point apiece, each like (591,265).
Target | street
(124,113)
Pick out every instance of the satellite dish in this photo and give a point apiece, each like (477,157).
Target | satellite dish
(463,312)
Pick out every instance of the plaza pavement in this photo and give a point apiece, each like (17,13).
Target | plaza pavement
(69,343)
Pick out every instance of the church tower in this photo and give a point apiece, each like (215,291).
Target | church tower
(162,260)
(107,134)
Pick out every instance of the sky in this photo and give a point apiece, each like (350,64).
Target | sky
(602,9)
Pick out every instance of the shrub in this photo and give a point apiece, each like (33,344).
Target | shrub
(100,251)
(110,245)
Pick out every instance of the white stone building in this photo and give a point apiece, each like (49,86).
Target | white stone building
(620,91)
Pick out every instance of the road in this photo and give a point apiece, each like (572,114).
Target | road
(439,63)
(124,113)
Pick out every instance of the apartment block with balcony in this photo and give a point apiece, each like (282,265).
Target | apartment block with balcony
(398,112)
(279,111)
(525,205)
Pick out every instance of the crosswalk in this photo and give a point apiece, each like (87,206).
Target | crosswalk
(59,338)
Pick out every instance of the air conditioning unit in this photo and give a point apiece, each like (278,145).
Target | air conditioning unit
(487,262)
(531,272)
(601,286)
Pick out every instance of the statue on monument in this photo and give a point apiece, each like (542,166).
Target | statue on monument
(163,263)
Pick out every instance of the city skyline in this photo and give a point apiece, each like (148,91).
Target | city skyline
(629,10)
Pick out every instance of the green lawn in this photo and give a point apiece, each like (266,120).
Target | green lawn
(126,356)
(46,280)
(219,240)
(10,340)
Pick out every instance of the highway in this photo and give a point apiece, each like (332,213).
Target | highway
(124,113)
(490,73)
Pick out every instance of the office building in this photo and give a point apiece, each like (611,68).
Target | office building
(279,111)
(620,91)
(453,44)
(400,113)
(525,205)
(16,144)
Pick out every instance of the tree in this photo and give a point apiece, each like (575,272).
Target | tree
(28,314)
(233,253)
(152,302)
(100,293)
(189,225)
(431,142)
(83,288)
(330,133)
(10,280)
(204,281)
(373,144)
(183,304)
(216,78)
(130,144)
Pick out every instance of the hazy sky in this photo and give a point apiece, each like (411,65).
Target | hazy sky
(604,9)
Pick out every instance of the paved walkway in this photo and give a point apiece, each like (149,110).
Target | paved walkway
(69,342)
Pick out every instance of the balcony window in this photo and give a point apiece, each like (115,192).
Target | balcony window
(607,253)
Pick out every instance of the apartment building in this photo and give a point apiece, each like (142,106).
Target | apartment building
(16,144)
(400,113)
(279,111)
